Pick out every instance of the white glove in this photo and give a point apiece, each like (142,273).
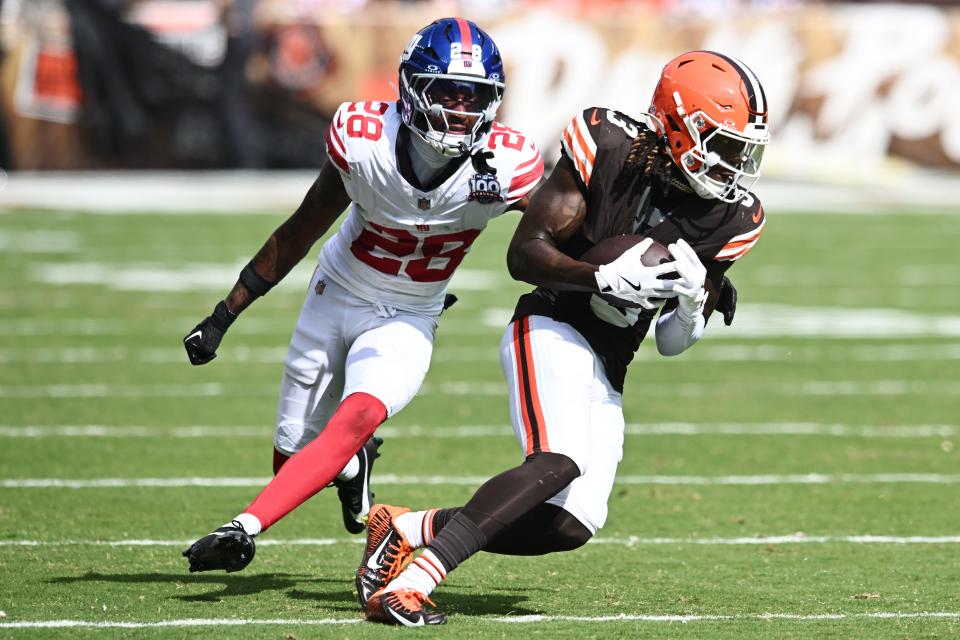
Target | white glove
(628,279)
(688,287)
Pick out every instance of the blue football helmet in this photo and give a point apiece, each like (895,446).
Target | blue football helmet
(451,84)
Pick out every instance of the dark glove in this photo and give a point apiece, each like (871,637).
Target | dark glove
(202,341)
(448,301)
(727,302)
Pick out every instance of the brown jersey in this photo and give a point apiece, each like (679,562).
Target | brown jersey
(620,200)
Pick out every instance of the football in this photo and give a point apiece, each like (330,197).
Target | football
(610,249)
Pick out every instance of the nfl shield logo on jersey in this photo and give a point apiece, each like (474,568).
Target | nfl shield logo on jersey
(423,203)
(485,188)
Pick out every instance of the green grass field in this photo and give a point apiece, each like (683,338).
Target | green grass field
(754,466)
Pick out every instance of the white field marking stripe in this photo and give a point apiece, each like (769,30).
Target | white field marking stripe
(20,327)
(775,320)
(208,389)
(132,276)
(268,355)
(793,428)
(391,479)
(703,353)
(82,355)
(629,541)
(486,431)
(626,617)
(103,431)
(753,321)
(464,388)
(39,241)
(623,617)
(820,353)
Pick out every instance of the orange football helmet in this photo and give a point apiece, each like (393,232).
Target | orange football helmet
(713,112)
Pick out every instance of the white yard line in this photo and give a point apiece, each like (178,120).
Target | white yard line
(98,326)
(703,353)
(467,388)
(529,619)
(754,321)
(391,479)
(775,320)
(628,541)
(25,391)
(493,430)
(159,277)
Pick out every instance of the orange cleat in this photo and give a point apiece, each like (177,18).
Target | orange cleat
(387,552)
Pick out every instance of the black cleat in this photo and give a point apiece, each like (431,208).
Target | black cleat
(229,548)
(355,495)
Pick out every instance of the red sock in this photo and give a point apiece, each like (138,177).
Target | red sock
(317,464)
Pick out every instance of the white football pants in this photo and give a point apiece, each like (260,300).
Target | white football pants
(341,345)
(561,401)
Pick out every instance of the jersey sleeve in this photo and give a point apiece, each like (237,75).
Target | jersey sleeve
(526,174)
(336,137)
(579,144)
(752,221)
(597,141)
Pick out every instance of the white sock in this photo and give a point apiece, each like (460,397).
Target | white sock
(249,522)
(416,527)
(423,575)
(350,471)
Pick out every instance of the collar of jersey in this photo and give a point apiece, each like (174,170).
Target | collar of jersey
(406,168)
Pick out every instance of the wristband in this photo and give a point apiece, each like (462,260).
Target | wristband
(222,318)
(254,282)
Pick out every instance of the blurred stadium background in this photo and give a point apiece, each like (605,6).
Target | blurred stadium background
(794,475)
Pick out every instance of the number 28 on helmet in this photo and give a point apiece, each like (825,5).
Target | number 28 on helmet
(713,112)
(451,84)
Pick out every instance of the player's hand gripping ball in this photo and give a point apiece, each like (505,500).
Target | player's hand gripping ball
(627,282)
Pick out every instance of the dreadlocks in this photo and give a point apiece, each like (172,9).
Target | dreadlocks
(649,162)
(648,156)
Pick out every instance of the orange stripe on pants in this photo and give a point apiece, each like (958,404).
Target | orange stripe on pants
(530,409)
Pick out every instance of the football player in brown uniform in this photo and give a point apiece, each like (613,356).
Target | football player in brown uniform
(681,176)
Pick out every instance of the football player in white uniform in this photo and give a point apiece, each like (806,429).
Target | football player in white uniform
(422,177)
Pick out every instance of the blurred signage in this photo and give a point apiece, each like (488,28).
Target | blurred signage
(47,87)
(856,91)
(192,27)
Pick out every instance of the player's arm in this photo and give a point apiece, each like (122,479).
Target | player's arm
(287,245)
(521,204)
(555,212)
(703,288)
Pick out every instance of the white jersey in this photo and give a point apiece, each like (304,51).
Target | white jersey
(399,245)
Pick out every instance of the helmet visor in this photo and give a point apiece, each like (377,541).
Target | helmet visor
(455,106)
(728,156)
(465,95)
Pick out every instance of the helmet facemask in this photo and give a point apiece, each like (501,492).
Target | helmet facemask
(723,163)
(452,113)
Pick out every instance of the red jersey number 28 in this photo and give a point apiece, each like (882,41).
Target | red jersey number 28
(361,125)
(506,137)
(430,259)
